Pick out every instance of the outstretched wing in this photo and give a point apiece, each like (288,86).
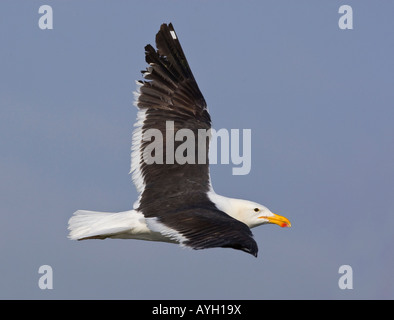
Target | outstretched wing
(169,100)
(173,194)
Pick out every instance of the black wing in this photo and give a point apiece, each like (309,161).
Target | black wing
(202,228)
(173,196)
(169,94)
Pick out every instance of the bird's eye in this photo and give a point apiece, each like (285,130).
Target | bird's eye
(256,209)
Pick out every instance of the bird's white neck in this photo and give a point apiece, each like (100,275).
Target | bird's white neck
(227,205)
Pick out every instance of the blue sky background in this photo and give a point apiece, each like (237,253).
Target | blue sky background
(319,101)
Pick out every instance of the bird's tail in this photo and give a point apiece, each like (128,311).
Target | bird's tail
(99,225)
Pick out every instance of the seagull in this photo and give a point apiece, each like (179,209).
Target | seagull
(176,203)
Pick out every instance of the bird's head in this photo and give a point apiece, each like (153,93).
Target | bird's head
(251,213)
(254,214)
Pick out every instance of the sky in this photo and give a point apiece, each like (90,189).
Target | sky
(319,102)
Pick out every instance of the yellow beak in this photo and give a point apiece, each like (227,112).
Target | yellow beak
(279,220)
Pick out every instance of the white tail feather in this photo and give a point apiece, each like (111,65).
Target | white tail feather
(92,224)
